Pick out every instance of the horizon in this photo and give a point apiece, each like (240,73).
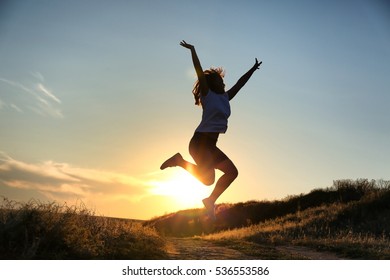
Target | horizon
(354,184)
(94,96)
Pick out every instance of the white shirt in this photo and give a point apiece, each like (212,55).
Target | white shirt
(216,111)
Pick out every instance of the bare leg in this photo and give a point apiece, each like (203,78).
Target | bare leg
(223,183)
(225,180)
(205,175)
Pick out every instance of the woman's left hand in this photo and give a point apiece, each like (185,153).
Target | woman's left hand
(257,64)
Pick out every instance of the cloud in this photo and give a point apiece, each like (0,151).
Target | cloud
(35,97)
(64,182)
(105,192)
(16,108)
(47,92)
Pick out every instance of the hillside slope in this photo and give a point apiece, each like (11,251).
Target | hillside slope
(351,217)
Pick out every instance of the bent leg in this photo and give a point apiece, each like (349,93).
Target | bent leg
(205,174)
(231,173)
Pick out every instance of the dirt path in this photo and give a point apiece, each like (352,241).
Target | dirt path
(199,249)
(308,253)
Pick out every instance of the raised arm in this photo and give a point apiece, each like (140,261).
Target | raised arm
(242,81)
(204,88)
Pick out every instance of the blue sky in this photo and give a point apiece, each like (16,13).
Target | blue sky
(94,95)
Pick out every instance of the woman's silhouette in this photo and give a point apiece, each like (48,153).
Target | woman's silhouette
(209,91)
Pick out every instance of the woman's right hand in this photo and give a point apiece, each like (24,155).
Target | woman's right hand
(186,45)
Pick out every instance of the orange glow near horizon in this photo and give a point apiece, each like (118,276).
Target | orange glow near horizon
(186,190)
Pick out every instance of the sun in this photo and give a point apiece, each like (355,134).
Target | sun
(187,191)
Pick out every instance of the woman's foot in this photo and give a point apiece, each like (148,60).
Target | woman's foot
(172,161)
(210,208)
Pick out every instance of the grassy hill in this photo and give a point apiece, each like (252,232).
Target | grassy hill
(359,194)
(351,218)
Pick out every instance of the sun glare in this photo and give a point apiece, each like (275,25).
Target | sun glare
(187,191)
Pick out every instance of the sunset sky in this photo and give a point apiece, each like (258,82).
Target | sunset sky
(95,95)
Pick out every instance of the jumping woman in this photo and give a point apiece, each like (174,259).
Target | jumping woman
(209,92)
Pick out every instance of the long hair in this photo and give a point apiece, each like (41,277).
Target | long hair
(210,75)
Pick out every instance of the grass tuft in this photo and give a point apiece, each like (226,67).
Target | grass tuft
(36,230)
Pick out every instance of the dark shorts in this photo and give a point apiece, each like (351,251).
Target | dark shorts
(204,151)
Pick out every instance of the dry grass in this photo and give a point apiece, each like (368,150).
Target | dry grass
(357,230)
(36,230)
